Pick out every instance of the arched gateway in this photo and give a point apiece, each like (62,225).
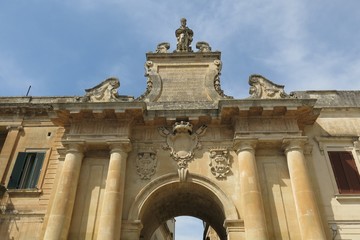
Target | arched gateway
(166,197)
(183,148)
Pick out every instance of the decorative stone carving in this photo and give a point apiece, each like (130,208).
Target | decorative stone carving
(217,86)
(149,84)
(162,47)
(265,89)
(219,162)
(182,143)
(146,163)
(203,47)
(184,37)
(103,92)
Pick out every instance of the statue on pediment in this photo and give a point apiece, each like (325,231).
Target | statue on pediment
(184,37)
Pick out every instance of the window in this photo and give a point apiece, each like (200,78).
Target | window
(346,172)
(26,171)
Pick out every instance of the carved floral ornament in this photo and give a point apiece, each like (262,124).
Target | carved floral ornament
(146,163)
(219,162)
(182,142)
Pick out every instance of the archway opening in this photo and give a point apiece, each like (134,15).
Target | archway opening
(182,199)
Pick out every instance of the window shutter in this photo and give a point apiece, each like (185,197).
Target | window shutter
(345,171)
(17,171)
(37,168)
(351,171)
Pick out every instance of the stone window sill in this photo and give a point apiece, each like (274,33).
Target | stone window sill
(348,197)
(24,192)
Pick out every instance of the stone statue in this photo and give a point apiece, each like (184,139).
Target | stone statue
(184,36)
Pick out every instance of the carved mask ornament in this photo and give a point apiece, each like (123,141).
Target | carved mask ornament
(182,142)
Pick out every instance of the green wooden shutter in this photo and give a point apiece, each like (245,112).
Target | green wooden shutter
(36,170)
(17,171)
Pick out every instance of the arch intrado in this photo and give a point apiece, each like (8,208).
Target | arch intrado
(167,197)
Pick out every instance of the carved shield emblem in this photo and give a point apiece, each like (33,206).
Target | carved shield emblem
(219,162)
(146,164)
(182,142)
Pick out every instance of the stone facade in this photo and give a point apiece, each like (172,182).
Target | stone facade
(119,167)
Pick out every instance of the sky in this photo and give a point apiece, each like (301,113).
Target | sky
(62,47)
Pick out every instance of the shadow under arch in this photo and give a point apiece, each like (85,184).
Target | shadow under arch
(167,197)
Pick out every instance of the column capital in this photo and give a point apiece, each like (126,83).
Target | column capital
(123,145)
(74,146)
(244,144)
(291,144)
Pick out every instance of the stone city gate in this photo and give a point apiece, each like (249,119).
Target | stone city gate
(184,148)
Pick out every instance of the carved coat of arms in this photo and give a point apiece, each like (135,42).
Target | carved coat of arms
(146,164)
(219,162)
(182,142)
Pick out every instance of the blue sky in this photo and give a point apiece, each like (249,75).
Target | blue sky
(61,47)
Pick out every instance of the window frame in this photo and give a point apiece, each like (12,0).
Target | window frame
(340,144)
(42,170)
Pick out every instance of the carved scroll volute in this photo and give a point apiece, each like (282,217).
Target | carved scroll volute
(106,91)
(263,88)
(212,82)
(182,142)
(219,162)
(146,163)
(153,83)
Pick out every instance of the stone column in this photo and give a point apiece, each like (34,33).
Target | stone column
(111,212)
(305,203)
(252,203)
(7,150)
(63,204)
